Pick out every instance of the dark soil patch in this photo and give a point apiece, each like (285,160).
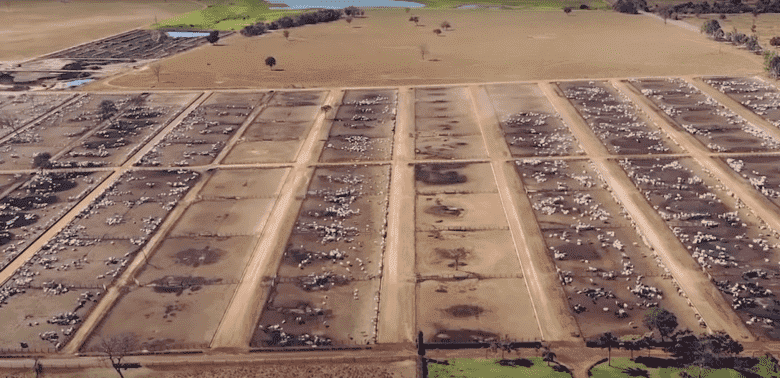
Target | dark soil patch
(195,257)
(178,284)
(464,311)
(439,174)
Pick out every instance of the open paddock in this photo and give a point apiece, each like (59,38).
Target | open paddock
(18,109)
(173,312)
(127,131)
(45,318)
(475,310)
(31,207)
(716,127)
(723,236)
(57,131)
(615,120)
(530,124)
(327,285)
(601,259)
(340,311)
(202,135)
(753,93)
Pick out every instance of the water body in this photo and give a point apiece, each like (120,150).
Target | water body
(341,4)
(78,82)
(187,34)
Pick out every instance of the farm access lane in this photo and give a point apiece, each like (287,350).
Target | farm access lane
(238,322)
(397,293)
(703,295)
(547,297)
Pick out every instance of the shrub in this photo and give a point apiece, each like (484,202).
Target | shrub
(285,22)
(775,41)
(584,7)
(752,43)
(625,6)
(351,11)
(255,29)
(567,10)
(710,27)
(213,37)
(772,64)
(270,62)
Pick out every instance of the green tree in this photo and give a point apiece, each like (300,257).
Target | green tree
(270,62)
(662,320)
(607,340)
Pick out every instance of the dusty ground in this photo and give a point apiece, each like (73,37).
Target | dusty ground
(482,46)
(32,28)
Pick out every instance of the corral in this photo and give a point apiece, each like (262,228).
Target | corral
(342,221)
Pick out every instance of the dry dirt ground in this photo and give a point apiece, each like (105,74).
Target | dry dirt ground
(483,46)
(32,28)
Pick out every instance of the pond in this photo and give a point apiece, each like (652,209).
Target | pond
(187,34)
(341,4)
(78,82)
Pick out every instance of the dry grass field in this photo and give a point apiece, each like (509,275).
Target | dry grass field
(483,46)
(31,28)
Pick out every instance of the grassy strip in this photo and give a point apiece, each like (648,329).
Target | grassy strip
(489,368)
(227,15)
(619,364)
(235,14)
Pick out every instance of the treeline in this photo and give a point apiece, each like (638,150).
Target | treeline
(726,7)
(308,18)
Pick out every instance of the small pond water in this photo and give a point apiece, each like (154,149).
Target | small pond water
(187,34)
(78,82)
(341,4)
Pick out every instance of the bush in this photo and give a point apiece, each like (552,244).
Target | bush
(772,64)
(351,11)
(710,27)
(213,37)
(256,29)
(775,41)
(584,7)
(625,6)
(752,43)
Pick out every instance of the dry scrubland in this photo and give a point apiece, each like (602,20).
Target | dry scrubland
(31,28)
(484,46)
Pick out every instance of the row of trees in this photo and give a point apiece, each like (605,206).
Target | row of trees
(712,28)
(308,18)
(724,7)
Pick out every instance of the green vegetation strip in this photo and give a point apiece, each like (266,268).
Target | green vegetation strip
(236,14)
(621,365)
(489,368)
(227,15)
